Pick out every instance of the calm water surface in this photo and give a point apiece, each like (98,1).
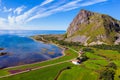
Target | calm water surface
(23,50)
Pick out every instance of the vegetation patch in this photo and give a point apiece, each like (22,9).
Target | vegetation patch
(96,63)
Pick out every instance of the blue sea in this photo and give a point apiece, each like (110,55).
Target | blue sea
(30,32)
(22,49)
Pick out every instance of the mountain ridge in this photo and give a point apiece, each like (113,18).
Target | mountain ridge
(92,28)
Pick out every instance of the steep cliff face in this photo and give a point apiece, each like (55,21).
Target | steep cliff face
(91,28)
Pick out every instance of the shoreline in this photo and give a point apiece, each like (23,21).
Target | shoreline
(52,44)
(36,62)
(62,52)
(1,48)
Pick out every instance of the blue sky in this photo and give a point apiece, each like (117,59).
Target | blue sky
(50,14)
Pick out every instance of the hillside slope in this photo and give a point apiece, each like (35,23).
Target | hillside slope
(92,28)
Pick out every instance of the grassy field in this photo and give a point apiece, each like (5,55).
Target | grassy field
(87,70)
(78,73)
(90,69)
(48,73)
(69,54)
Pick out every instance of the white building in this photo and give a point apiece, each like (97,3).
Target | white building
(76,62)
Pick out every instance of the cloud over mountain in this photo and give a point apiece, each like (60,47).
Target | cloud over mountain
(21,15)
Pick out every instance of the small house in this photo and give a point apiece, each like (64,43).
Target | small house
(76,62)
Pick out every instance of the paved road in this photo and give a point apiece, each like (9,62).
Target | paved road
(34,69)
(41,66)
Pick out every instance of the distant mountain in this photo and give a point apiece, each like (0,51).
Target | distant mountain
(92,28)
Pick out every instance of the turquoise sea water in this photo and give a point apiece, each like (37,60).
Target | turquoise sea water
(30,32)
(23,50)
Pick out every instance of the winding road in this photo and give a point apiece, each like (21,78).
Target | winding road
(41,66)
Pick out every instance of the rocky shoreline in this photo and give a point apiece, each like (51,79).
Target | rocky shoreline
(3,53)
(2,49)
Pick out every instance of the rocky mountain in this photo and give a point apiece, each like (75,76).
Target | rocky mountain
(92,28)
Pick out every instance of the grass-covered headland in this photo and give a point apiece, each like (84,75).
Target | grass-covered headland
(98,63)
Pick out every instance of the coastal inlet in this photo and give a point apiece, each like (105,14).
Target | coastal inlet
(24,50)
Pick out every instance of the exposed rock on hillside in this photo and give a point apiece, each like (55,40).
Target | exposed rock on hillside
(92,28)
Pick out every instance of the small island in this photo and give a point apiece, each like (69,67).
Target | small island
(1,48)
(91,51)
(3,53)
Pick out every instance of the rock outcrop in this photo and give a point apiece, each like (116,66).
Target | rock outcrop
(92,28)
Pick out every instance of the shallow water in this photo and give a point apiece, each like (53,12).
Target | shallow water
(24,50)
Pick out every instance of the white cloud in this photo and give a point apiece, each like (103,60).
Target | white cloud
(7,10)
(11,20)
(2,21)
(92,2)
(66,7)
(69,6)
(54,10)
(22,18)
(40,10)
(46,2)
(19,9)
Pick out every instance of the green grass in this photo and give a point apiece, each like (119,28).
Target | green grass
(88,70)
(117,62)
(69,54)
(112,55)
(99,62)
(93,56)
(3,72)
(78,73)
(91,66)
(95,64)
(117,74)
(48,73)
